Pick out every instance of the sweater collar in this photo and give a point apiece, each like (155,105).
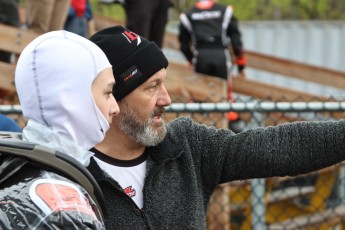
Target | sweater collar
(167,149)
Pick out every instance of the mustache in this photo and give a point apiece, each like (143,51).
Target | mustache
(160,111)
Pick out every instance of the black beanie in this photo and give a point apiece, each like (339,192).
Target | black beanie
(134,58)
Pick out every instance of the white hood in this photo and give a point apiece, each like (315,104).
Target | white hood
(53,79)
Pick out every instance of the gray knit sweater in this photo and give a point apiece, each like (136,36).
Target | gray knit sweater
(186,167)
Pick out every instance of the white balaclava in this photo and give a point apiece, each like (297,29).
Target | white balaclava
(53,79)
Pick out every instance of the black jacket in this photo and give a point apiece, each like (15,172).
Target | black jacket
(185,168)
(198,30)
(35,198)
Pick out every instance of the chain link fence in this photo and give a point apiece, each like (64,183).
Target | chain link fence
(311,201)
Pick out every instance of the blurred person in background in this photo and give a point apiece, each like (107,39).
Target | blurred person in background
(9,15)
(8,124)
(208,32)
(79,15)
(208,35)
(147,18)
(46,15)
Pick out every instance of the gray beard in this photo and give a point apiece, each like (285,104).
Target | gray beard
(141,132)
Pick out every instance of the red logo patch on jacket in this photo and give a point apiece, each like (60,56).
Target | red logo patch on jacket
(55,196)
(130,191)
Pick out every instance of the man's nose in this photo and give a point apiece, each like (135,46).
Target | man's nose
(164,98)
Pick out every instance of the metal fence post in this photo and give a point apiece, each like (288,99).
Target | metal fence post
(258,204)
(341,187)
(258,186)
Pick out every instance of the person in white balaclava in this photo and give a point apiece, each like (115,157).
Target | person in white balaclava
(53,80)
(64,83)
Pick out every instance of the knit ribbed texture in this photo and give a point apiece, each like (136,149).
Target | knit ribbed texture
(134,58)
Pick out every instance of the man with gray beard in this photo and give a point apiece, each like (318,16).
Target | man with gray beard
(157,176)
(142,132)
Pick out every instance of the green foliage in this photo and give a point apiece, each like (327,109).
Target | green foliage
(244,10)
(247,9)
(281,9)
(114,11)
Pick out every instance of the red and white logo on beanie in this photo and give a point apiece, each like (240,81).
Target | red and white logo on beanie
(131,37)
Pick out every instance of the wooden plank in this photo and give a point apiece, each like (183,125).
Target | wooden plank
(7,79)
(14,39)
(183,81)
(182,84)
(171,41)
(295,69)
(271,92)
(243,86)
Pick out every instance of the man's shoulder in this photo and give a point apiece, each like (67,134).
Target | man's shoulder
(179,121)
(178,126)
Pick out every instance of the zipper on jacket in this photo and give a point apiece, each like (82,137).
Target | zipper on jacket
(147,182)
(143,215)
